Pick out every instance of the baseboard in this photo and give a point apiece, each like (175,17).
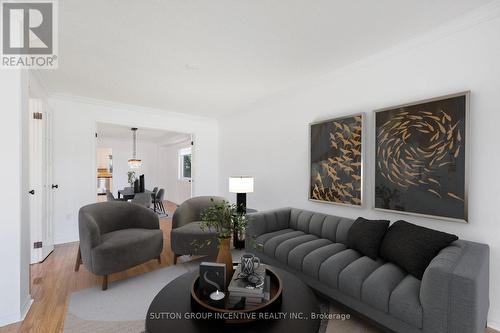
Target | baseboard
(494,325)
(65,241)
(26,307)
(17,316)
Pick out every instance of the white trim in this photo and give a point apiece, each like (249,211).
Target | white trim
(65,240)
(180,163)
(26,307)
(17,316)
(494,325)
(124,106)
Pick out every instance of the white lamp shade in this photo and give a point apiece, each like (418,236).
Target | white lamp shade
(240,184)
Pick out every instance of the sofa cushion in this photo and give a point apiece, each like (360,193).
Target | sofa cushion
(330,269)
(343,230)
(316,224)
(329,228)
(378,287)
(404,303)
(277,220)
(313,261)
(297,254)
(303,220)
(352,277)
(122,249)
(413,247)
(283,249)
(262,239)
(365,236)
(272,243)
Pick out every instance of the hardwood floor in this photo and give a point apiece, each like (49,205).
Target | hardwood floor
(53,280)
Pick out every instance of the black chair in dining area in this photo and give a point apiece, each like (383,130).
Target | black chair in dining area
(153,193)
(158,201)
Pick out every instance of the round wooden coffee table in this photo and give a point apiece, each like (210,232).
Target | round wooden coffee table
(171,310)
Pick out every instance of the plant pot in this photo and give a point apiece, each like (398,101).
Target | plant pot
(224,257)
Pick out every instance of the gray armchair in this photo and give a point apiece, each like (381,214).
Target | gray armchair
(115,236)
(186,228)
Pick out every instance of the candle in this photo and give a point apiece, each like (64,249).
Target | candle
(217,295)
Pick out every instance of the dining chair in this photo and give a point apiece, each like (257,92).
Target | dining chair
(159,200)
(153,194)
(143,199)
(110,196)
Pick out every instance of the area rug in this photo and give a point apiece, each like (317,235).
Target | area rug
(123,307)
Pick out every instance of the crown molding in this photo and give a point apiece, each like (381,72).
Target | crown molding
(127,107)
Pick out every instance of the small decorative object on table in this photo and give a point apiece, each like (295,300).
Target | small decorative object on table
(212,278)
(248,263)
(217,299)
(223,219)
(242,298)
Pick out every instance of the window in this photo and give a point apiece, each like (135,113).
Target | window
(185,164)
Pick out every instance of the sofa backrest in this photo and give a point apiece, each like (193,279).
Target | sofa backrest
(331,227)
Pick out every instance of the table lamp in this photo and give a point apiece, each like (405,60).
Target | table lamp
(241,185)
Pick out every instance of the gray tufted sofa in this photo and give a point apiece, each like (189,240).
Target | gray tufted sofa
(453,295)
(115,236)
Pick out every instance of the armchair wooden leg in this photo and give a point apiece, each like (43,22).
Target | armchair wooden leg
(78,260)
(175,258)
(104,282)
(159,259)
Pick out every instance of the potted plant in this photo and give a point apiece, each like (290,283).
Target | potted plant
(223,219)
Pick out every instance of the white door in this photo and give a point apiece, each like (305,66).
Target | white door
(41,190)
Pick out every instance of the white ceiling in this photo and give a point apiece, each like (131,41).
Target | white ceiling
(160,137)
(215,57)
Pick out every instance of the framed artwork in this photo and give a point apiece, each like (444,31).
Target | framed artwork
(336,160)
(421,157)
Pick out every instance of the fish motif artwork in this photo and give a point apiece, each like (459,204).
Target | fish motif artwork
(420,162)
(336,160)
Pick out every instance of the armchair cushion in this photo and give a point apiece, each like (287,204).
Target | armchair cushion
(182,240)
(125,248)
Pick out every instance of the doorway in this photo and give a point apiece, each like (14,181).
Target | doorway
(165,162)
(40,179)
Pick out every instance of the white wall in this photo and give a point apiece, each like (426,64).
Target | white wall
(270,140)
(14,223)
(176,190)
(75,151)
(147,151)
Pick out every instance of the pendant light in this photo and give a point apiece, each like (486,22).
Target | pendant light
(134,162)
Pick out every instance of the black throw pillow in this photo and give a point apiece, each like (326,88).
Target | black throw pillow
(413,247)
(365,236)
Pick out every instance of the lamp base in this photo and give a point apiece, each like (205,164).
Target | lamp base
(241,207)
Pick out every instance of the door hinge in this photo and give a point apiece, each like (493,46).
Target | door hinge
(37,115)
(37,245)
